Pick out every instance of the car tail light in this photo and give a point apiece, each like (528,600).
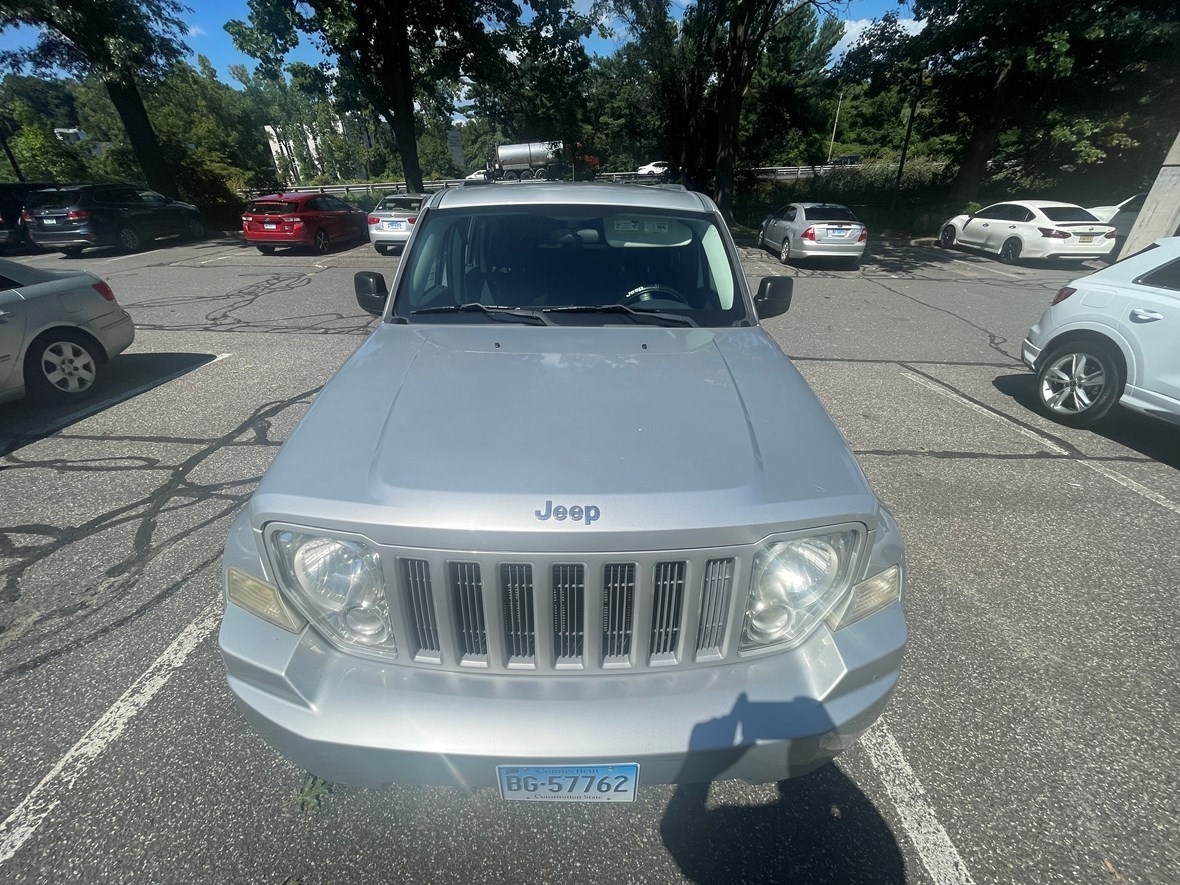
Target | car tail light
(1062,293)
(77,215)
(246,219)
(808,234)
(26,216)
(1110,234)
(372,219)
(1054,234)
(864,235)
(411,220)
(293,220)
(105,291)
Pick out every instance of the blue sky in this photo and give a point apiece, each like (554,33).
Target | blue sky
(207,34)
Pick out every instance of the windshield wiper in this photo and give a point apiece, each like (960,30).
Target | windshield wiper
(655,317)
(497,312)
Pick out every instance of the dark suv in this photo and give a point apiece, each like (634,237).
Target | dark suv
(71,217)
(12,203)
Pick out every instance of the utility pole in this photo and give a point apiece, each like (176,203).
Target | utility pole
(1160,215)
(832,143)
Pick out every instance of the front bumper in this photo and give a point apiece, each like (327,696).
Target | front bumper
(1029,353)
(357,721)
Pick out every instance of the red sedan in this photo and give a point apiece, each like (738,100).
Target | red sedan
(314,220)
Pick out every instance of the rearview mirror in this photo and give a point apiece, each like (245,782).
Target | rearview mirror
(371,293)
(774,296)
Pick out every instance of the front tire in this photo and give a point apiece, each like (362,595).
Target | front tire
(1079,383)
(946,237)
(761,240)
(129,239)
(62,364)
(1010,251)
(784,254)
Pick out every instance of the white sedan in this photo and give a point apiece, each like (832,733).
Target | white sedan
(1031,229)
(659,167)
(1111,338)
(57,330)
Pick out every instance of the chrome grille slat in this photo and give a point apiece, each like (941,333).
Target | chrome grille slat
(416,578)
(516,590)
(569,595)
(618,612)
(467,590)
(715,597)
(667,605)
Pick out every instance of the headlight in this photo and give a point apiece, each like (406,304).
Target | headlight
(795,585)
(339,585)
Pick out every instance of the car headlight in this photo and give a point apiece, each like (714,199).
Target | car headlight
(339,585)
(795,585)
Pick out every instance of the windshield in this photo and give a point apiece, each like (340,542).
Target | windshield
(593,258)
(62,199)
(271,207)
(400,204)
(1067,213)
(829,213)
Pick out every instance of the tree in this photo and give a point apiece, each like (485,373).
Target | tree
(395,52)
(118,41)
(992,67)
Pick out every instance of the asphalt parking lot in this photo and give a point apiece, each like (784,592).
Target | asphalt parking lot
(1033,738)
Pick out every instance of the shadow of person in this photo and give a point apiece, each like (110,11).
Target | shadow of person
(821,829)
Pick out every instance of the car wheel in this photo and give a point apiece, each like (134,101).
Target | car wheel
(1010,251)
(323,243)
(379,248)
(194,228)
(266,250)
(784,254)
(761,240)
(61,364)
(129,240)
(946,237)
(72,251)
(1079,383)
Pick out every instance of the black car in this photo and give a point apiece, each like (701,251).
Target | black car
(12,203)
(72,217)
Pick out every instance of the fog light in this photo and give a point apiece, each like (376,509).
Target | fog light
(260,598)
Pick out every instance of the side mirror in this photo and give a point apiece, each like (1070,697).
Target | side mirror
(774,296)
(371,293)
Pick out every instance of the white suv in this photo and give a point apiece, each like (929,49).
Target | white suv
(1111,337)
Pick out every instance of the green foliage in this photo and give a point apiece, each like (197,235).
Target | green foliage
(39,153)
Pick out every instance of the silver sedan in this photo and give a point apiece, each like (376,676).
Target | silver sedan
(392,221)
(814,230)
(57,331)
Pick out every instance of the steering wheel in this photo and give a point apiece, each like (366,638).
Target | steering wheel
(653,292)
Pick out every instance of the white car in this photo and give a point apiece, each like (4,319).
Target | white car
(659,167)
(1031,229)
(1111,338)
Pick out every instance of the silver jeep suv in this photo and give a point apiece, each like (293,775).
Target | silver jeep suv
(567,523)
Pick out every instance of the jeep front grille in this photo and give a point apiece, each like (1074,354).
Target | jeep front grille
(551,615)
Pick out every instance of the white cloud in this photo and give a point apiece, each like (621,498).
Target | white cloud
(197,31)
(854,28)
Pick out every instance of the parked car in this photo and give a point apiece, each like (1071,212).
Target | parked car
(814,230)
(1031,229)
(71,218)
(392,220)
(57,331)
(588,528)
(13,195)
(311,220)
(1109,338)
(659,167)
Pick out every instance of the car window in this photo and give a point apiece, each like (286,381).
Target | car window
(401,204)
(317,204)
(791,213)
(271,207)
(829,213)
(62,199)
(1067,213)
(334,204)
(1165,277)
(996,211)
(570,256)
(151,197)
(6,283)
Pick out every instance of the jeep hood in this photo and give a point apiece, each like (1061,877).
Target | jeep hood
(479,427)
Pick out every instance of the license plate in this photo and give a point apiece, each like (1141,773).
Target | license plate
(49,221)
(395,225)
(837,231)
(569,783)
(270,225)
(1086,239)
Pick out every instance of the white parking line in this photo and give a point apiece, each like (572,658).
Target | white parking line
(131,255)
(1125,481)
(19,826)
(930,840)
